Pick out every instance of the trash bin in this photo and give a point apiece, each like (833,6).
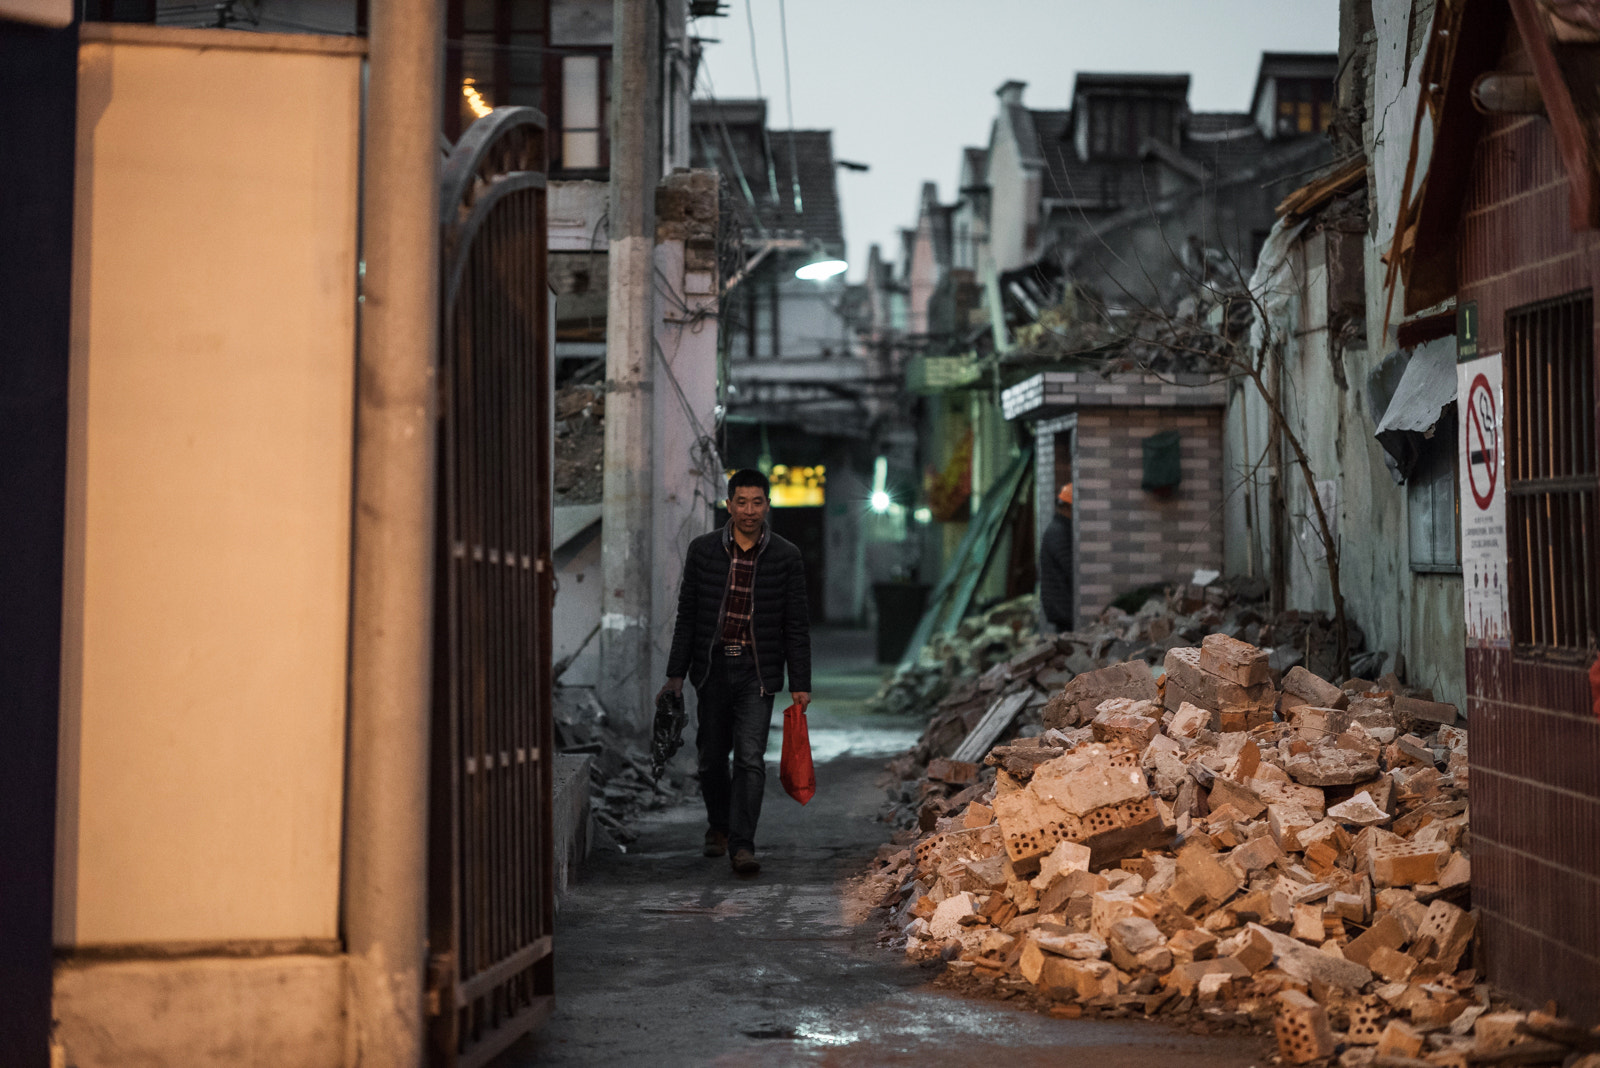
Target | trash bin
(900,608)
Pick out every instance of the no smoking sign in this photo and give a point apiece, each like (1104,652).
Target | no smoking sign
(1483,442)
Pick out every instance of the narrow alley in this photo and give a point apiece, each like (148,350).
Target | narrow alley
(665,957)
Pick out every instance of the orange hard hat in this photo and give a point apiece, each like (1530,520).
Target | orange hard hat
(1065,496)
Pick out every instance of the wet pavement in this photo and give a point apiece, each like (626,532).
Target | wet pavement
(664,957)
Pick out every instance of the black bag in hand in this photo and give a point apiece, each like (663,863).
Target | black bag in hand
(666,738)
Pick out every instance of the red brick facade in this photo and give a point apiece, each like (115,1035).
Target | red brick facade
(1535,749)
(1127,537)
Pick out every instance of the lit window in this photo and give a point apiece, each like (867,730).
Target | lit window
(580,112)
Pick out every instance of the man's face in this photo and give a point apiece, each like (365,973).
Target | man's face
(748,506)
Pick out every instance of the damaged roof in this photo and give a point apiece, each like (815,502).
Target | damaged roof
(1557,38)
(764,161)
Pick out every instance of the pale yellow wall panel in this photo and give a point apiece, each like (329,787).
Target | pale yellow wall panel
(214,323)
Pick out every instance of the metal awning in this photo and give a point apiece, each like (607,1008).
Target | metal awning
(1426,388)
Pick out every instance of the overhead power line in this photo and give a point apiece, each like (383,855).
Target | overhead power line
(788,100)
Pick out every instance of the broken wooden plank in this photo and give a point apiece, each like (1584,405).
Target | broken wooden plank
(994,723)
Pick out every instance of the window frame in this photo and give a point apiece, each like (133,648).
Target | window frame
(1541,468)
(1442,463)
(555,94)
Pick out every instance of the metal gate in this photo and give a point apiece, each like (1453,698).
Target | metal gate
(491,896)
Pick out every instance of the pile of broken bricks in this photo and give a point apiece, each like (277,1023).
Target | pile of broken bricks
(1180,617)
(948,660)
(1219,841)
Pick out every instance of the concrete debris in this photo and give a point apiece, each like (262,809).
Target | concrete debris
(1226,839)
(620,783)
(580,430)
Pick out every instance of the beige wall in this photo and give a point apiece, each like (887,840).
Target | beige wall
(209,494)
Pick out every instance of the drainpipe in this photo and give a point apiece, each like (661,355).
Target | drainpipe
(386,789)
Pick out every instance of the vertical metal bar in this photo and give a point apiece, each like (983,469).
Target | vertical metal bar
(503,636)
(544,591)
(1572,397)
(1563,570)
(1585,534)
(1586,530)
(1552,591)
(1516,467)
(488,472)
(482,335)
(527,262)
(1565,362)
(509,577)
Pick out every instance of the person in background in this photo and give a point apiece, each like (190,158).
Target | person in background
(742,619)
(1057,578)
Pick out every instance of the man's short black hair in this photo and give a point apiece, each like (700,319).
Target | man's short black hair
(749,476)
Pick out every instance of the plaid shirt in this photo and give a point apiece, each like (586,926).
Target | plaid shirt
(741,574)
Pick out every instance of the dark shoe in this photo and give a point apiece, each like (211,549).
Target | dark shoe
(716,844)
(745,862)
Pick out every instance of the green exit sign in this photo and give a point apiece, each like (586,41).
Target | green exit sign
(1466,331)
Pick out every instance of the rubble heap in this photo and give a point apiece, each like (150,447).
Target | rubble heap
(1179,617)
(1223,839)
(620,783)
(977,644)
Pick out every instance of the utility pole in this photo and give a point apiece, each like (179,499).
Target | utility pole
(627,530)
(391,641)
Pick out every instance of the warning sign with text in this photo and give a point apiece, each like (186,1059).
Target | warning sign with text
(1483,501)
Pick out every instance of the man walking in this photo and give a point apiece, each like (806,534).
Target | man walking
(742,618)
(1056,577)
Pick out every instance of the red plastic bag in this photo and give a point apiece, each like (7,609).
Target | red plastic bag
(799,778)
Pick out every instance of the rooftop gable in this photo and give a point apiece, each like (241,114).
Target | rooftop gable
(768,165)
(1319,65)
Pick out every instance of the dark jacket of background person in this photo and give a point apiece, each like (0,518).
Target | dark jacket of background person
(1055,572)
(780,619)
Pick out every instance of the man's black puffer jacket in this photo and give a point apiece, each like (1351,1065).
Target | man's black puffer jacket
(780,620)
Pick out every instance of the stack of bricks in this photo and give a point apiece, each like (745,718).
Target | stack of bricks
(1226,676)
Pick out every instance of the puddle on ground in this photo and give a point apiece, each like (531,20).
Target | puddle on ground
(829,743)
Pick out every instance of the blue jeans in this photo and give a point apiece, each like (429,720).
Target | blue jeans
(734,718)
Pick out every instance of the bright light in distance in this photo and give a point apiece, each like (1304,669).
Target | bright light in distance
(821,270)
(923,515)
(880,485)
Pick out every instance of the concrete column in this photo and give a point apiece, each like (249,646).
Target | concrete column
(386,811)
(627,684)
(687,478)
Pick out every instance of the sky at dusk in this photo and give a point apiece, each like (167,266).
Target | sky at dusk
(904,84)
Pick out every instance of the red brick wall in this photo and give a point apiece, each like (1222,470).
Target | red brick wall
(1535,746)
(1129,538)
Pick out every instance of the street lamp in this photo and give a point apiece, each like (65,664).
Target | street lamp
(821,269)
(880,499)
